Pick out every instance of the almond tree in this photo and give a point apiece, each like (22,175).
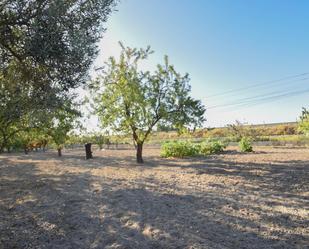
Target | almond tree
(133,101)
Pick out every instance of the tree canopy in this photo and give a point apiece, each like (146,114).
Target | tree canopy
(55,40)
(60,123)
(46,49)
(133,101)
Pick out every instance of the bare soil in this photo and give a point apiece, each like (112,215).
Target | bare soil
(233,200)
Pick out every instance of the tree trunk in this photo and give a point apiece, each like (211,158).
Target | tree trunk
(59,152)
(88,151)
(135,145)
(44,145)
(3,145)
(139,153)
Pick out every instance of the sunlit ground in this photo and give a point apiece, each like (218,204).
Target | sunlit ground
(233,200)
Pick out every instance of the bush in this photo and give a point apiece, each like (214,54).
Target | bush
(211,147)
(245,145)
(303,125)
(185,148)
(179,149)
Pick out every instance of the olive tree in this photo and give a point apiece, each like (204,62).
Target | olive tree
(52,39)
(46,49)
(133,101)
(21,107)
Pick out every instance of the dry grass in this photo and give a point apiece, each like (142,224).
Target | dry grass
(232,200)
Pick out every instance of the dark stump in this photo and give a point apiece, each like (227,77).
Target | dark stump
(88,151)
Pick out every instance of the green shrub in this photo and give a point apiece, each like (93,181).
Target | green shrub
(185,148)
(245,145)
(211,147)
(303,125)
(179,149)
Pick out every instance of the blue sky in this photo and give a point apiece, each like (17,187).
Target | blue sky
(224,45)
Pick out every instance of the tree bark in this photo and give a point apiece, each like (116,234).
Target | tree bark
(44,145)
(135,145)
(59,152)
(3,145)
(88,151)
(139,153)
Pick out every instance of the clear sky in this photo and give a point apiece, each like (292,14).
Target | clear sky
(225,45)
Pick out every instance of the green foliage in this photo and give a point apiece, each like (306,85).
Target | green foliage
(186,148)
(131,101)
(60,123)
(66,31)
(212,147)
(294,140)
(245,145)
(239,130)
(164,128)
(100,140)
(236,130)
(303,125)
(18,108)
(179,149)
(46,49)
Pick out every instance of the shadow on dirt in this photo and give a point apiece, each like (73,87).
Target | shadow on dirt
(86,211)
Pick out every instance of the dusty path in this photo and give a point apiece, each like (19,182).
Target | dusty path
(233,200)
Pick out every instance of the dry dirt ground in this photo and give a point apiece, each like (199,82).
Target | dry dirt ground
(233,200)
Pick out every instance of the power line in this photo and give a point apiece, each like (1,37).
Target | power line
(262,100)
(258,85)
(262,88)
(247,105)
(236,101)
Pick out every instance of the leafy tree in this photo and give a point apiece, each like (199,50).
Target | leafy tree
(19,105)
(46,49)
(239,130)
(133,101)
(30,139)
(60,123)
(51,39)
(236,130)
(165,128)
(303,124)
(100,140)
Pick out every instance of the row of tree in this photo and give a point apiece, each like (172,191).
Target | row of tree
(46,50)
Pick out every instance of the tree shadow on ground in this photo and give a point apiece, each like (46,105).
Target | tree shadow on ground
(82,210)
